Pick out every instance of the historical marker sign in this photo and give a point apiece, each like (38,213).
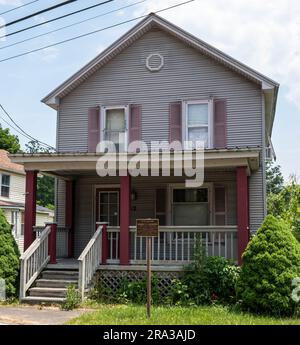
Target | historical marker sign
(147,227)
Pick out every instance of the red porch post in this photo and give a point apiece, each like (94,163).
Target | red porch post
(125,201)
(30,208)
(52,243)
(242,211)
(69,208)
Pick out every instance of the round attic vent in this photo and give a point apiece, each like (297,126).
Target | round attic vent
(155,62)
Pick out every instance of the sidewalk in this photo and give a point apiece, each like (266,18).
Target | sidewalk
(32,315)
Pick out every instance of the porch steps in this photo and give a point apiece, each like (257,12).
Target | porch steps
(47,292)
(42,300)
(51,286)
(55,283)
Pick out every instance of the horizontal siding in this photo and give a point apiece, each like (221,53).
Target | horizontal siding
(143,207)
(186,75)
(60,202)
(17,188)
(256,200)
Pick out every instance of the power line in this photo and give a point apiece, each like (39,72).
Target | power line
(70,25)
(57,18)
(16,8)
(92,32)
(20,133)
(28,136)
(51,8)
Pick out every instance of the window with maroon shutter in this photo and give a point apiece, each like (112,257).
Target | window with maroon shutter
(135,124)
(220,120)
(175,122)
(220,205)
(93,128)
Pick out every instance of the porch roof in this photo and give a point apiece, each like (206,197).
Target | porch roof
(73,163)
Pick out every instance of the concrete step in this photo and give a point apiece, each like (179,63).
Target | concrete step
(44,300)
(56,283)
(47,292)
(60,275)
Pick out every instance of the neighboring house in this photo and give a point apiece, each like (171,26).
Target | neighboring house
(156,83)
(12,198)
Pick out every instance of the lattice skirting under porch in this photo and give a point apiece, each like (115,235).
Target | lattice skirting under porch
(111,280)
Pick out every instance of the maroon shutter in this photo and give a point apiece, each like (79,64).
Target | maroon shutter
(175,122)
(220,120)
(161,213)
(135,123)
(93,128)
(220,205)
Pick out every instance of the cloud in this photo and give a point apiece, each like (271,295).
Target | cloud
(264,35)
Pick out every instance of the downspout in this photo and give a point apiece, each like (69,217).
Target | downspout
(263,155)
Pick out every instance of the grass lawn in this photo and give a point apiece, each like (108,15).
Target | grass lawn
(136,315)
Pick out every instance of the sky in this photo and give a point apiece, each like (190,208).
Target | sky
(265,35)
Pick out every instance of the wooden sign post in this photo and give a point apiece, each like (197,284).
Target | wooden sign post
(148,228)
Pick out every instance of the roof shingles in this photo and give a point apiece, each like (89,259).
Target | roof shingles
(6,163)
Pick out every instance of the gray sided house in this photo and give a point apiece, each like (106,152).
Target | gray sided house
(157,83)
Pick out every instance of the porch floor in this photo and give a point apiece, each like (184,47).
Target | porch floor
(65,264)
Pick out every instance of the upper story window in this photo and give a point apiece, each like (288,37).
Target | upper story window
(198,123)
(5,185)
(115,126)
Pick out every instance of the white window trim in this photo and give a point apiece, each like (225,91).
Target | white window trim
(4,185)
(185,127)
(103,121)
(173,186)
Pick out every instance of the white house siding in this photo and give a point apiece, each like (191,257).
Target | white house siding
(17,187)
(41,219)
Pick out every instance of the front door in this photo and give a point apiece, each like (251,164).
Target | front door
(108,207)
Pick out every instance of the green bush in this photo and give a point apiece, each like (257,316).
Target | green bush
(270,262)
(212,281)
(136,291)
(9,258)
(72,300)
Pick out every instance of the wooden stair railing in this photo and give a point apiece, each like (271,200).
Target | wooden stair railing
(34,260)
(90,259)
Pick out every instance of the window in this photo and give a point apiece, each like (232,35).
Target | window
(5,185)
(108,207)
(198,123)
(115,126)
(190,206)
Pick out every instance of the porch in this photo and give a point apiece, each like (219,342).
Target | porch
(96,215)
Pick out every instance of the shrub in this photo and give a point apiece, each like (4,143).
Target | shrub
(270,262)
(72,298)
(9,258)
(136,291)
(179,293)
(213,281)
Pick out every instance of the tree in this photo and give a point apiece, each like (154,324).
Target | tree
(286,205)
(270,263)
(45,184)
(9,142)
(9,257)
(274,178)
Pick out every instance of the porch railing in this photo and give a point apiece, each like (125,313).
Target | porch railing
(34,260)
(61,242)
(89,260)
(176,244)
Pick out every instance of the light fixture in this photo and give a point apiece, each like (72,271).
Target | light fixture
(133,195)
